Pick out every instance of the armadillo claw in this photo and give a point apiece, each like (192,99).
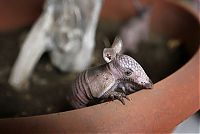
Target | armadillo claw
(120,96)
(116,95)
(122,100)
(112,96)
(127,98)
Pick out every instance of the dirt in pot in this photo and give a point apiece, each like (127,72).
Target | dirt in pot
(47,89)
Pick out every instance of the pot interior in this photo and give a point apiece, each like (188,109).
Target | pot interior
(173,40)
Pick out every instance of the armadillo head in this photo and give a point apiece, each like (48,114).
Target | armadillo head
(129,70)
(125,68)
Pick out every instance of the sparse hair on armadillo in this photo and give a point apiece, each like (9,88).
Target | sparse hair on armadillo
(118,77)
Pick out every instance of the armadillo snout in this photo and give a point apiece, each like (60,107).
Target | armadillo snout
(148,85)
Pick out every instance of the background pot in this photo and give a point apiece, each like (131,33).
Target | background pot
(16,14)
(159,110)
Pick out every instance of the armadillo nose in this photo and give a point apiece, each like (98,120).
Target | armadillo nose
(149,85)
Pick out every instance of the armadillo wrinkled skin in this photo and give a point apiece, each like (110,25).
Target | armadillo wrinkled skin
(90,85)
(80,93)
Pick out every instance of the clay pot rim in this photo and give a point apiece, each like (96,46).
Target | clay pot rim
(146,118)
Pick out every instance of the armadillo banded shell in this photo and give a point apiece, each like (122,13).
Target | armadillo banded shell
(81,94)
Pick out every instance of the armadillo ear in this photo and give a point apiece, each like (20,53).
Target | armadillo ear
(117,45)
(109,54)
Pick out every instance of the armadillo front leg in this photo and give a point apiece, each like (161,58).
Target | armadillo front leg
(127,88)
(115,95)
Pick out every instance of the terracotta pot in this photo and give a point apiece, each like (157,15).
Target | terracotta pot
(16,14)
(159,110)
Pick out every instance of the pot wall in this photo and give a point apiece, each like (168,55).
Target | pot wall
(159,110)
(17,14)
(20,13)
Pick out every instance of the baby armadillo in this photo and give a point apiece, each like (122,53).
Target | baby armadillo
(120,76)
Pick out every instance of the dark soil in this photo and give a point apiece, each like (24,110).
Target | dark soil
(48,86)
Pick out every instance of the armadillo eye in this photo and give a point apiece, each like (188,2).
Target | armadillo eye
(128,73)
